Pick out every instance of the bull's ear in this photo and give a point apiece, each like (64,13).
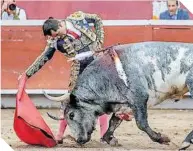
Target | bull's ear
(73,100)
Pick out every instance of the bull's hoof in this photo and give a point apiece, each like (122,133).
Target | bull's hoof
(184,145)
(114,142)
(103,141)
(111,141)
(164,139)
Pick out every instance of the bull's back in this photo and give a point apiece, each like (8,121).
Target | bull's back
(165,65)
(159,64)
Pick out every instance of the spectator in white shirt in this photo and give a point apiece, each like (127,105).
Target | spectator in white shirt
(12,12)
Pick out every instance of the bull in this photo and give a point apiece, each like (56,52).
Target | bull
(132,76)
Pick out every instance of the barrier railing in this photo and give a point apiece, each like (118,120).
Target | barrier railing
(23,41)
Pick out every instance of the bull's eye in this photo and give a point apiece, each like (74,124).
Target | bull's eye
(71,116)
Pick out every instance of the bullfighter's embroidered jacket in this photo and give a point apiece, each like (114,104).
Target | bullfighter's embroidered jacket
(70,45)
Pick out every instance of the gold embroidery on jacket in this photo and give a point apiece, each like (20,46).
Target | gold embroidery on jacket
(75,67)
(79,15)
(38,63)
(89,33)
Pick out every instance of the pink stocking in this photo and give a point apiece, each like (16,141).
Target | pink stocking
(62,128)
(103,120)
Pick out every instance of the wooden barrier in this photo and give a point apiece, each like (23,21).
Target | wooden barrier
(22,44)
(173,33)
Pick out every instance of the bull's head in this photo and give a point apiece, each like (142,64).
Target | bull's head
(81,117)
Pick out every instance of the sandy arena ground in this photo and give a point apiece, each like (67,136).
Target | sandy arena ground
(174,123)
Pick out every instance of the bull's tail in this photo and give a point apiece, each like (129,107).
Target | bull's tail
(174,94)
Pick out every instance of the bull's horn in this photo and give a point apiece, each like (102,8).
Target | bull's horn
(62,98)
(54,118)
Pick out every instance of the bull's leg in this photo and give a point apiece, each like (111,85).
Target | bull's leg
(189,138)
(113,124)
(140,113)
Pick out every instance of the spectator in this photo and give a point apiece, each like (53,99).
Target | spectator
(174,12)
(10,11)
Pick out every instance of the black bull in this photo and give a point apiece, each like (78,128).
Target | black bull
(144,73)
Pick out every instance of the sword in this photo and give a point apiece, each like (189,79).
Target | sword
(83,55)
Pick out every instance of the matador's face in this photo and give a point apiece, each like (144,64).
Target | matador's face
(61,32)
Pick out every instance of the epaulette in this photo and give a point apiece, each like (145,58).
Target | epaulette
(77,16)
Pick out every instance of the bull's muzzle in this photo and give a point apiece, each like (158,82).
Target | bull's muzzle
(81,140)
